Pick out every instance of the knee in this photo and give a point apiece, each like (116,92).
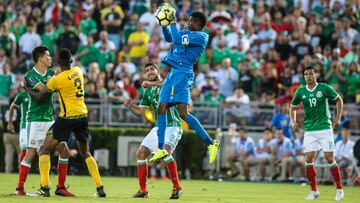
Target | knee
(330,159)
(168,148)
(142,153)
(85,155)
(64,153)
(162,109)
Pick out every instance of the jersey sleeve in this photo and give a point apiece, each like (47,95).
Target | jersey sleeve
(52,84)
(144,101)
(330,92)
(296,99)
(17,100)
(31,81)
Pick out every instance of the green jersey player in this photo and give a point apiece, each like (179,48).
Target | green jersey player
(318,127)
(173,133)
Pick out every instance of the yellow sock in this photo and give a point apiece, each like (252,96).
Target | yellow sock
(93,170)
(44,165)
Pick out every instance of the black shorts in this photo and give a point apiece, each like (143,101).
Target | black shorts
(63,127)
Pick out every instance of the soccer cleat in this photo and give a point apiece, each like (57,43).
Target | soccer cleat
(63,192)
(159,154)
(44,191)
(213,150)
(100,192)
(20,192)
(176,193)
(140,194)
(313,195)
(339,195)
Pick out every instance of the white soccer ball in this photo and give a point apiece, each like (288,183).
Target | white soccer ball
(162,16)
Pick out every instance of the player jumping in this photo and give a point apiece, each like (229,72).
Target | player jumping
(188,45)
(318,127)
(173,134)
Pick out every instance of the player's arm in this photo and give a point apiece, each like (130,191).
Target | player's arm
(138,110)
(147,84)
(293,110)
(167,34)
(10,126)
(339,110)
(38,92)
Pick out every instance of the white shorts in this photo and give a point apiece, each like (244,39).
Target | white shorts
(23,138)
(316,140)
(172,137)
(37,132)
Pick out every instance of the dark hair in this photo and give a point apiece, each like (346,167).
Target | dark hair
(309,68)
(39,52)
(242,129)
(151,64)
(64,59)
(268,129)
(200,17)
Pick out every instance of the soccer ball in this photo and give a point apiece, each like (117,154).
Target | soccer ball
(162,16)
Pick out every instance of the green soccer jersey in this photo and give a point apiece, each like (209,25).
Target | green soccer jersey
(21,100)
(150,98)
(316,106)
(39,110)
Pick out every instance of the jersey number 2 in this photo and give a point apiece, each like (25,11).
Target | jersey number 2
(78,85)
(312,102)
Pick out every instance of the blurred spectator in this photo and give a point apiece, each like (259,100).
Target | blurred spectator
(101,89)
(266,37)
(87,53)
(227,78)
(125,68)
(28,41)
(281,148)
(106,56)
(11,140)
(246,76)
(344,153)
(48,38)
(104,40)
(353,82)
(336,76)
(149,20)
(3,60)
(263,154)
(129,88)
(137,43)
(239,110)
(119,94)
(87,24)
(129,28)
(353,55)
(7,81)
(298,158)
(112,17)
(282,45)
(91,92)
(281,120)
(7,40)
(93,71)
(243,151)
(68,39)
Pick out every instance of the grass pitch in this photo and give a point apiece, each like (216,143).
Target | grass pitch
(121,190)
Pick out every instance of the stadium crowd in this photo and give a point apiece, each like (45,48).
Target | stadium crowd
(257,51)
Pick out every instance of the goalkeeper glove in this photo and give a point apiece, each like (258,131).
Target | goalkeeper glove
(170,12)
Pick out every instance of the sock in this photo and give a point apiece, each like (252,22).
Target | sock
(21,156)
(44,167)
(142,173)
(195,125)
(62,171)
(335,171)
(172,170)
(161,123)
(311,175)
(93,170)
(24,171)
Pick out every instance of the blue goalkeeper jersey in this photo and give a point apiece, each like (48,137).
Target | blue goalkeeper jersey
(187,48)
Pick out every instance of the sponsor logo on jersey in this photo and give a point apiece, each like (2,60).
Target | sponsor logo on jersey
(304,97)
(319,94)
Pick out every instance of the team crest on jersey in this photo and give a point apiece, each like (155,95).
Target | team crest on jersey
(319,94)
(185,39)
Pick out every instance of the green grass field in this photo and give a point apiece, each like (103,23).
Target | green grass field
(121,190)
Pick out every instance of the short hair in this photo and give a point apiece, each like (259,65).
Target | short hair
(268,129)
(39,52)
(64,57)
(200,17)
(242,129)
(309,68)
(152,64)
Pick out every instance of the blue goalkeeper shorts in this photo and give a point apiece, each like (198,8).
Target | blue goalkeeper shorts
(176,88)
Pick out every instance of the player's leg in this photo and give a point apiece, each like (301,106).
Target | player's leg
(148,145)
(311,174)
(195,124)
(165,93)
(172,137)
(23,144)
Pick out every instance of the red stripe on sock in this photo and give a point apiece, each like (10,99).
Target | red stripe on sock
(311,175)
(336,176)
(62,173)
(173,173)
(24,171)
(142,172)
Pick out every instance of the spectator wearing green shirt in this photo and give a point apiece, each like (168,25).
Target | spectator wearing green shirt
(353,82)
(6,81)
(220,53)
(353,55)
(87,53)
(7,40)
(336,75)
(87,24)
(48,38)
(105,56)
